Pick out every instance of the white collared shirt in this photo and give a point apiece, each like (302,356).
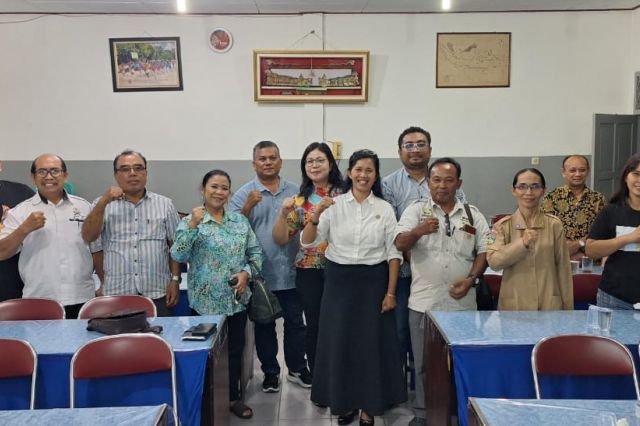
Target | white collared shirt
(438,260)
(358,233)
(55,262)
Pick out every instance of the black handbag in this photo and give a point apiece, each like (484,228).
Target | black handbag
(263,306)
(125,321)
(484,298)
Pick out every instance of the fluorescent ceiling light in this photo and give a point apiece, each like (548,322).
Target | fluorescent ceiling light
(446,4)
(182,6)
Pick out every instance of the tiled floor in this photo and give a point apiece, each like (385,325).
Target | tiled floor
(291,406)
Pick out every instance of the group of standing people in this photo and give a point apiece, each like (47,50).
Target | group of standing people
(361,258)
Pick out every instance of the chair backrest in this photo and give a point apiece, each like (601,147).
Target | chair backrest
(496,217)
(585,288)
(19,359)
(105,305)
(31,308)
(121,355)
(494,282)
(581,355)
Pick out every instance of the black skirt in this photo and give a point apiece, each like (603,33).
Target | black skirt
(358,363)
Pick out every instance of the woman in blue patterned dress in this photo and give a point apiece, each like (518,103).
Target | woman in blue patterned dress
(219,246)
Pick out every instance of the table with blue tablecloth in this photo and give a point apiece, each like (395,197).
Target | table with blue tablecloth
(102,416)
(56,341)
(488,355)
(552,412)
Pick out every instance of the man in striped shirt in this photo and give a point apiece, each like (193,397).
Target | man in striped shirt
(137,228)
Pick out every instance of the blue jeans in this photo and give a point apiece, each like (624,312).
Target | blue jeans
(606,300)
(294,331)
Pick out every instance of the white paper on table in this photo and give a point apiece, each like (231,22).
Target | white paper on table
(624,230)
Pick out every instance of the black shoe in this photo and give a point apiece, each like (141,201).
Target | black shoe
(302,377)
(347,418)
(271,383)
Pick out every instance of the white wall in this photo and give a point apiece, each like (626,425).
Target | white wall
(56,91)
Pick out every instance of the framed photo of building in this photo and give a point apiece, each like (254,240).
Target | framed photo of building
(310,76)
(473,60)
(145,64)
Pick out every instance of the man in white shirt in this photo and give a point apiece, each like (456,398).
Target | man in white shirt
(448,254)
(55,263)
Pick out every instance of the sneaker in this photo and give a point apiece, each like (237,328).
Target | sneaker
(271,383)
(302,378)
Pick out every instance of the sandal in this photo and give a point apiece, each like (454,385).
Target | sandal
(241,410)
(366,422)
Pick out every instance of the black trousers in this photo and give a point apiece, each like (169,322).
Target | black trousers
(72,311)
(310,285)
(235,331)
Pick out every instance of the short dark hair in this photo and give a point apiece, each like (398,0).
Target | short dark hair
(62,163)
(532,170)
(564,160)
(447,160)
(362,155)
(127,152)
(212,173)
(413,129)
(622,194)
(335,178)
(264,144)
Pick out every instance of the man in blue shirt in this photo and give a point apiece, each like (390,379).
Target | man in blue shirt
(402,188)
(260,201)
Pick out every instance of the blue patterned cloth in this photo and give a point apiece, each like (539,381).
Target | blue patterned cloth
(215,252)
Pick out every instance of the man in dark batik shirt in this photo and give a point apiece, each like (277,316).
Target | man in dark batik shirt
(574,204)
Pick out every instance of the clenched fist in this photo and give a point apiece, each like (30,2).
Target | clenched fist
(34,221)
(196,216)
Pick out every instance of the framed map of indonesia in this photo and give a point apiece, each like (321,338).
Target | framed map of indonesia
(473,60)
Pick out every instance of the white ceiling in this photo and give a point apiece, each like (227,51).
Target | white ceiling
(304,6)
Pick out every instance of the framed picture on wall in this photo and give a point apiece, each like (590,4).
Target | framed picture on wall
(145,64)
(310,76)
(636,97)
(473,60)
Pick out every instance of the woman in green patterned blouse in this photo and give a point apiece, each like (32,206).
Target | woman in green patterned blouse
(219,246)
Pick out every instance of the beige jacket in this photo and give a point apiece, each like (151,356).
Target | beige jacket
(538,278)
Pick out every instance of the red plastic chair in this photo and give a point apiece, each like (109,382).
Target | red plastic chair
(494,282)
(122,355)
(585,289)
(581,355)
(105,305)
(33,308)
(19,359)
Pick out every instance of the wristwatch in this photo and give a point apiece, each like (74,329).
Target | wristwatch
(176,278)
(474,279)
(582,245)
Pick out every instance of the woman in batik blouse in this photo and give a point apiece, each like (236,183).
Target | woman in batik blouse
(320,178)
(219,246)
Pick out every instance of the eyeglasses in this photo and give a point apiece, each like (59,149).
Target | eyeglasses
(318,161)
(55,172)
(129,169)
(415,146)
(523,187)
(447,226)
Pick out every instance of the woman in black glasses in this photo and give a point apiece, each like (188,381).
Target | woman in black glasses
(529,246)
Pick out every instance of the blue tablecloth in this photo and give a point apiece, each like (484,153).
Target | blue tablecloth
(491,352)
(56,341)
(549,412)
(104,416)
